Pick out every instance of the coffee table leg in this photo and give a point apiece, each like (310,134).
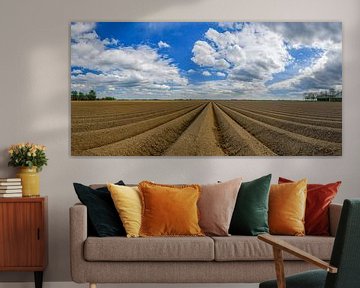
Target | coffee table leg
(38,279)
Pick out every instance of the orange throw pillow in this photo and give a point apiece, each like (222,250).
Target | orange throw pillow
(169,210)
(287,204)
(318,200)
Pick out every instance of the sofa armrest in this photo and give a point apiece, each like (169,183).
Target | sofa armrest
(334,216)
(78,235)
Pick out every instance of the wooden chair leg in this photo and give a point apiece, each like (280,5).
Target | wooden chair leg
(279,267)
(92,285)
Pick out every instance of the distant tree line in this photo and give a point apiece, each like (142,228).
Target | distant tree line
(90,96)
(331,95)
(80,96)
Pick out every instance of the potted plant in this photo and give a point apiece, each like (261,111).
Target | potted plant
(30,158)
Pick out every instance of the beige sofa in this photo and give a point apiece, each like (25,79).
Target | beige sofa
(234,259)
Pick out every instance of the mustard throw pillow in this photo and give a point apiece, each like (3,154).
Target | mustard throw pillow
(169,210)
(127,201)
(287,204)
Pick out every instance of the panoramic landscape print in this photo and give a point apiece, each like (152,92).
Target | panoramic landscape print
(206,88)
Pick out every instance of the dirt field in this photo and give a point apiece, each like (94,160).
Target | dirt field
(217,128)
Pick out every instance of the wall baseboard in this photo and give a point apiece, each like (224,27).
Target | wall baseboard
(74,285)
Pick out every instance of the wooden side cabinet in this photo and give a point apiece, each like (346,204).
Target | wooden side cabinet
(23,235)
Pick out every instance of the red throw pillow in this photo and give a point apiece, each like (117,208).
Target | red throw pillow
(319,197)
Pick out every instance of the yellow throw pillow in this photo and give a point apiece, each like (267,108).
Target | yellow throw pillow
(127,201)
(169,210)
(287,204)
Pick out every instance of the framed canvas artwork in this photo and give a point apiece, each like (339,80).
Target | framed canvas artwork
(206,88)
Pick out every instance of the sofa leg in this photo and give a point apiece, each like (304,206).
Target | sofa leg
(92,285)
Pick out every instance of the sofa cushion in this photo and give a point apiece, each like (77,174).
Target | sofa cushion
(149,249)
(250,216)
(318,200)
(287,204)
(244,248)
(127,201)
(102,216)
(216,206)
(169,210)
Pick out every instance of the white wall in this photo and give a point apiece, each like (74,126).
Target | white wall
(34,106)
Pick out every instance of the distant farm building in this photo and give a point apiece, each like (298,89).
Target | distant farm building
(330,95)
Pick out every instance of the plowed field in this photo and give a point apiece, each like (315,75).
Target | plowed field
(206,128)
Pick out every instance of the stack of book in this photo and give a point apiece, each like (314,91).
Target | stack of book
(10,187)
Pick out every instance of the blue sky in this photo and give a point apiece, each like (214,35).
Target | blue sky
(196,60)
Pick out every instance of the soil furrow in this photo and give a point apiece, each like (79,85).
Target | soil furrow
(98,125)
(281,141)
(235,140)
(327,111)
(301,119)
(91,109)
(121,112)
(201,127)
(199,138)
(153,142)
(312,131)
(86,140)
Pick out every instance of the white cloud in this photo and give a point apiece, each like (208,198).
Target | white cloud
(245,56)
(324,73)
(122,67)
(111,41)
(298,33)
(314,34)
(231,25)
(162,44)
(253,54)
(76,71)
(207,56)
(225,89)
(81,28)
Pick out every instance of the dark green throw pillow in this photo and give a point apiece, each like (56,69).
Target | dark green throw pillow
(250,216)
(103,218)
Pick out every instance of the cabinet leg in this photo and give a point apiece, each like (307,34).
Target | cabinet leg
(38,279)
